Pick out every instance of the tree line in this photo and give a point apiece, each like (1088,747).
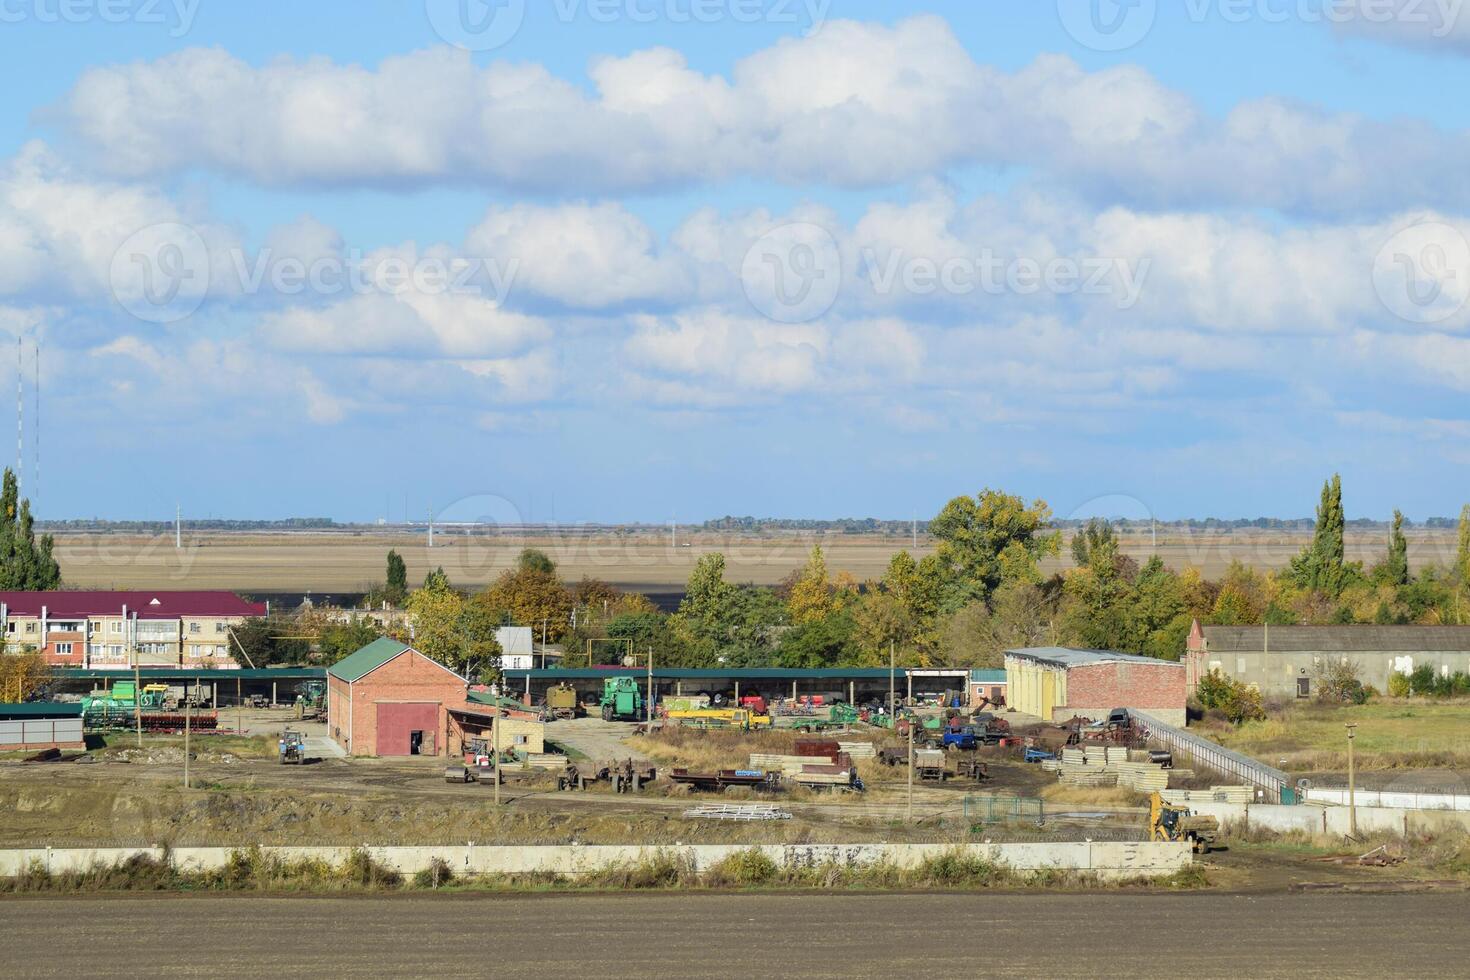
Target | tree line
(980,592)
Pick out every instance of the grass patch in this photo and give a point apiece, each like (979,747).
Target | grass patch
(1306,737)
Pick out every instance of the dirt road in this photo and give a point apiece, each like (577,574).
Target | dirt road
(713,935)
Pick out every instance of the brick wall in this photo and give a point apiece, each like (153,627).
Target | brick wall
(407,678)
(1155,688)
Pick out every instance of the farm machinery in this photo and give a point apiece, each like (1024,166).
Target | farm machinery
(1176,823)
(152,707)
(621,699)
(562,702)
(292,747)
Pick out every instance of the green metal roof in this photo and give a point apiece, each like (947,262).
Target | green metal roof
(366,660)
(41,709)
(687,674)
(185,673)
(988,676)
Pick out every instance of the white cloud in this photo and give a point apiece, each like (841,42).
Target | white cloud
(582,255)
(1430,24)
(859,104)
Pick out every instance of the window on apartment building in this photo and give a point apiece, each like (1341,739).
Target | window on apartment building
(10,627)
(63,649)
(117,626)
(30,627)
(221,627)
(195,628)
(115,650)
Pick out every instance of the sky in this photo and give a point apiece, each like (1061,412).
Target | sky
(647,260)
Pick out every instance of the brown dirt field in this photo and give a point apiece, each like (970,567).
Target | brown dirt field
(791,935)
(351,561)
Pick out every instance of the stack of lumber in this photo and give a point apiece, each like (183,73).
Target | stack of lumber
(1144,777)
(1215,794)
(859,750)
(546,760)
(1107,765)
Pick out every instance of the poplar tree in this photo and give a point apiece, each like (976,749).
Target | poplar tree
(26,565)
(1397,566)
(1321,566)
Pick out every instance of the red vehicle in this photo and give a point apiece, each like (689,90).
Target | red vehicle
(753,703)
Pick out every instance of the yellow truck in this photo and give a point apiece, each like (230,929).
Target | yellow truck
(721,718)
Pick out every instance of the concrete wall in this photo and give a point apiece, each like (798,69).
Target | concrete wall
(1391,798)
(1114,861)
(1333,820)
(1276,673)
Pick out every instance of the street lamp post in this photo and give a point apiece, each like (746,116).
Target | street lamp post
(1352,785)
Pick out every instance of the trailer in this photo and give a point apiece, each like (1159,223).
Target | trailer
(929,764)
(833,777)
(717,782)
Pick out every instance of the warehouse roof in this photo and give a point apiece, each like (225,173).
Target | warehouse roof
(185,673)
(1069,657)
(79,604)
(988,676)
(356,666)
(1338,639)
(688,674)
(41,709)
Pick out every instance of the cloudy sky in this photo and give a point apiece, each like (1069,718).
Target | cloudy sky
(616,260)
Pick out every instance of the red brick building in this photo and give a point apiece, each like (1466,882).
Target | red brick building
(388,699)
(1057,683)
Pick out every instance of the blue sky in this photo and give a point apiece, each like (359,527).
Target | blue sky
(798,259)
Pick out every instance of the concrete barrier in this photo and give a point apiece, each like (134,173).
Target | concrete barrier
(1333,819)
(1108,860)
(1398,799)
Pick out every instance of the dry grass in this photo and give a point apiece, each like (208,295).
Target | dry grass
(1093,795)
(1390,735)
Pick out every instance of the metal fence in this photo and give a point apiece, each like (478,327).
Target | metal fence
(1202,753)
(1005,809)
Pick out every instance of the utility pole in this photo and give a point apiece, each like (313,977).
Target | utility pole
(648,700)
(431,527)
(186,732)
(178,527)
(1352,785)
(495,741)
(912,722)
(137,686)
(892,661)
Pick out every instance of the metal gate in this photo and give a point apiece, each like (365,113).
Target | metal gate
(1004,809)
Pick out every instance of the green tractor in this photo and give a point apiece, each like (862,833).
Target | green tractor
(621,699)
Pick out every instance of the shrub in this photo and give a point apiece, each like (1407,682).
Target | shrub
(361,869)
(1237,701)
(743,869)
(1399,685)
(436,874)
(660,870)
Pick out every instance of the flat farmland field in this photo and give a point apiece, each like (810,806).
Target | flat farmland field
(352,561)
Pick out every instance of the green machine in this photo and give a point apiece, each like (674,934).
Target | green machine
(621,699)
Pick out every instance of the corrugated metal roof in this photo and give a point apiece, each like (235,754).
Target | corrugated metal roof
(1338,639)
(988,676)
(147,605)
(368,659)
(41,709)
(1069,657)
(688,674)
(185,673)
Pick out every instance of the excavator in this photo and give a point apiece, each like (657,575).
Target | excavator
(1167,822)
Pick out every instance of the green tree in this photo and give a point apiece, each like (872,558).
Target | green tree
(1321,566)
(1463,563)
(397,589)
(26,565)
(1395,568)
(535,560)
(987,540)
(336,640)
(437,581)
(818,643)
(1094,535)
